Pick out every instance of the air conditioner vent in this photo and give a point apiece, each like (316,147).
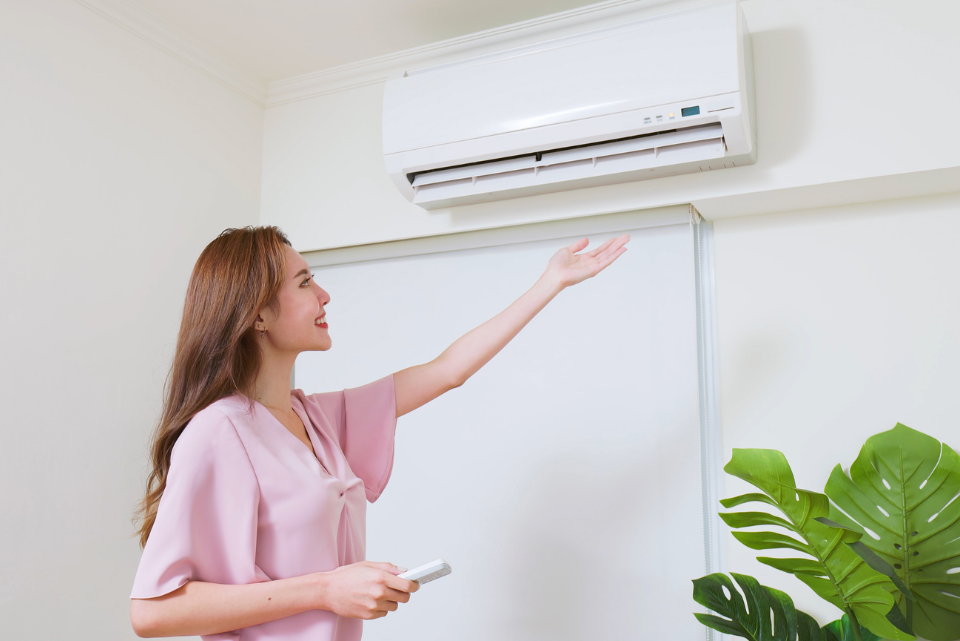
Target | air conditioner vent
(675,146)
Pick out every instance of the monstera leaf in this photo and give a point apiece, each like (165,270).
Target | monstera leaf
(768,615)
(902,490)
(833,569)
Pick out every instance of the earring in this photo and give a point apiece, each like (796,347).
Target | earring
(262,330)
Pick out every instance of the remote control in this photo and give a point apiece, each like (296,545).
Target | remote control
(428,572)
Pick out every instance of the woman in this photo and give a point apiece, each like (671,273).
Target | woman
(253,525)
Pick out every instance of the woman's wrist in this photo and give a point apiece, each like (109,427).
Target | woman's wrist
(317,587)
(550,283)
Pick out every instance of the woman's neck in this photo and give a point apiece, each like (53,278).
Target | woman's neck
(271,388)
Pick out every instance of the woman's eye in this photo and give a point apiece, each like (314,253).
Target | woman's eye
(306,280)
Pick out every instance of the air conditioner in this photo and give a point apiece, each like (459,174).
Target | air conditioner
(665,95)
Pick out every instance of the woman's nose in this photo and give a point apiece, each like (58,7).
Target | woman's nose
(322,294)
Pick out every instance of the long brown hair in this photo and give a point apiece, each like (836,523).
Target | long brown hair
(237,275)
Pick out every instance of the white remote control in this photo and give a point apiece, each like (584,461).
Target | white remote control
(428,572)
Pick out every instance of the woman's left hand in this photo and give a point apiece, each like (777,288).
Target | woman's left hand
(569,268)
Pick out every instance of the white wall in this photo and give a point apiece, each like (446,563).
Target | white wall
(833,326)
(118,163)
(846,91)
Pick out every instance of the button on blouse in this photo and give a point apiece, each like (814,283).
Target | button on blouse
(246,501)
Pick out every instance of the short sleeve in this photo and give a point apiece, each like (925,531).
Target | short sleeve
(366,418)
(206,525)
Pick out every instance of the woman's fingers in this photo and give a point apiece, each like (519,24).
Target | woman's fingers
(402,585)
(612,256)
(397,595)
(381,565)
(614,250)
(602,261)
(600,248)
(390,601)
(612,244)
(612,253)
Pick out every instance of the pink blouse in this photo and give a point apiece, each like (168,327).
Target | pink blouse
(246,501)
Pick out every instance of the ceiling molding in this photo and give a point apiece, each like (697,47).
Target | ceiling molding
(372,70)
(376,70)
(146,26)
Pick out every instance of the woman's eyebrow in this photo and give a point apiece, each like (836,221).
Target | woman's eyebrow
(302,272)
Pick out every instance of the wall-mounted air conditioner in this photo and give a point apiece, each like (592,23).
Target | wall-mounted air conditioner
(665,95)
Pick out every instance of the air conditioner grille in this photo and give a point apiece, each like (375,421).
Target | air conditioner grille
(611,156)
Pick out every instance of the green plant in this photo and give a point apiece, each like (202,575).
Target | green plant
(887,553)
(766,615)
(832,568)
(902,491)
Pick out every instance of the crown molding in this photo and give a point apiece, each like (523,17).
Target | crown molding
(146,26)
(372,70)
(375,70)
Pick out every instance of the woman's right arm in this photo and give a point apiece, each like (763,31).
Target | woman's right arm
(365,590)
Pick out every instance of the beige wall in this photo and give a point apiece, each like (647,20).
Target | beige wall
(118,163)
(834,325)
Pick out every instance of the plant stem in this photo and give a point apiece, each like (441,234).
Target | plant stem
(854,625)
(906,546)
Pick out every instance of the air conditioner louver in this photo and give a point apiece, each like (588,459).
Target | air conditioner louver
(703,142)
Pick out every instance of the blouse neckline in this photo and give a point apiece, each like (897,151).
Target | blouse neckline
(307,425)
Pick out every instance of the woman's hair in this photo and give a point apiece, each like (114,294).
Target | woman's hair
(237,275)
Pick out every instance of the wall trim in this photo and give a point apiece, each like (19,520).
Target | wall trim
(711,435)
(146,26)
(914,184)
(376,70)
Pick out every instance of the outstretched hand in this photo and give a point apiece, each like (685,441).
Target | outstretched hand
(569,268)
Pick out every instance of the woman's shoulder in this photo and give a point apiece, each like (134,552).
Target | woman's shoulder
(209,453)
(215,426)
(234,407)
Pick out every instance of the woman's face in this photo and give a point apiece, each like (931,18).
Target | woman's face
(295,324)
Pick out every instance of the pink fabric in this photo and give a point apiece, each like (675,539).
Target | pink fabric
(246,501)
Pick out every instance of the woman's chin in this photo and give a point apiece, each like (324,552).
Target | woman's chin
(317,346)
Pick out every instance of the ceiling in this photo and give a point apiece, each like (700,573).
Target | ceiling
(275,39)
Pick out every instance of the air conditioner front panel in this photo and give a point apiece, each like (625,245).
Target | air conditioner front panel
(723,108)
(683,56)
